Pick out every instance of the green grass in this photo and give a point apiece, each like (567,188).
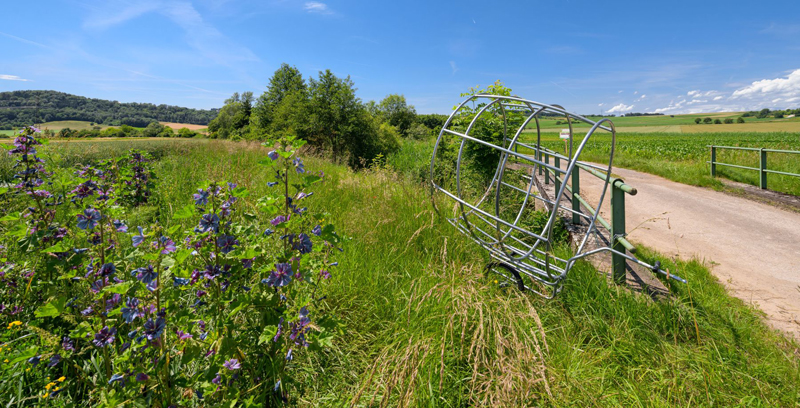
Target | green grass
(422,326)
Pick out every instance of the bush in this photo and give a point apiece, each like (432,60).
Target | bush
(697,120)
(740,119)
(728,120)
(419,131)
(707,120)
(717,121)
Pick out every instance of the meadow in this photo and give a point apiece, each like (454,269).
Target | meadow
(418,323)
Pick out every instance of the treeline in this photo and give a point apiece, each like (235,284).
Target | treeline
(154,129)
(642,114)
(777,114)
(22,108)
(325,112)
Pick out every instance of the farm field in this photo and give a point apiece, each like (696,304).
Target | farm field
(178,126)
(682,124)
(420,324)
(83,125)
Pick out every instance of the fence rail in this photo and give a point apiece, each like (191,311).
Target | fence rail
(616,227)
(761,169)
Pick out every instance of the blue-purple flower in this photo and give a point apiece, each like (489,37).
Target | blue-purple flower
(146,274)
(104,337)
(281,276)
(226,243)
(208,222)
(89,219)
(131,310)
(153,329)
(273,155)
(317,230)
(302,243)
(201,198)
(54,360)
(232,364)
(142,377)
(138,239)
(107,269)
(279,220)
(298,164)
(120,226)
(167,245)
(34,361)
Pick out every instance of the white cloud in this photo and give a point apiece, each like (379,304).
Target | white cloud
(454,67)
(600,104)
(770,88)
(694,101)
(693,93)
(635,92)
(621,108)
(620,91)
(13,78)
(716,98)
(316,7)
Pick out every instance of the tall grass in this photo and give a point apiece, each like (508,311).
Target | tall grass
(420,324)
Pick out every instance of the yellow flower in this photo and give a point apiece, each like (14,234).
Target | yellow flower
(61,379)
(28,369)
(48,386)
(5,361)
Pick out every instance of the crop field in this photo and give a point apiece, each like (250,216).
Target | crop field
(408,317)
(681,124)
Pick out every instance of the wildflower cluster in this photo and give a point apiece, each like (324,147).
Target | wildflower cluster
(198,310)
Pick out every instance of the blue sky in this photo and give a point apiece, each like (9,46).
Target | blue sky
(589,56)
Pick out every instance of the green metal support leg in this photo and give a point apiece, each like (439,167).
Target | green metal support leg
(618,230)
(576,190)
(547,171)
(713,161)
(557,163)
(763,171)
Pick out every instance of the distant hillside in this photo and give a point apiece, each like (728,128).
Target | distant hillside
(20,108)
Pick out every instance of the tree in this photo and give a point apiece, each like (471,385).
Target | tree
(697,120)
(153,129)
(707,120)
(728,121)
(778,115)
(285,81)
(234,118)
(740,120)
(717,121)
(763,113)
(397,112)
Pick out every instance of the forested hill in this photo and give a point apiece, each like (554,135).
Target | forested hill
(20,108)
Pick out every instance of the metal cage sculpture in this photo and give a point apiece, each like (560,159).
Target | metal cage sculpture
(528,256)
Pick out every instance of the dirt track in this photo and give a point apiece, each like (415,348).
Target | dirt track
(753,248)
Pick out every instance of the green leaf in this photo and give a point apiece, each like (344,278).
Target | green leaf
(52,309)
(266,162)
(167,262)
(3,190)
(25,355)
(120,288)
(55,248)
(311,178)
(186,212)
(240,192)
(9,217)
(328,234)
(181,255)
(81,331)
(268,334)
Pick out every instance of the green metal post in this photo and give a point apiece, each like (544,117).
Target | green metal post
(557,163)
(713,161)
(547,171)
(540,159)
(763,170)
(576,190)
(617,230)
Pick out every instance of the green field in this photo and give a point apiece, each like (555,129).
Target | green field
(681,124)
(420,324)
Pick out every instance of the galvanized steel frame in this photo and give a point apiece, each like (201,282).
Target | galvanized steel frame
(537,260)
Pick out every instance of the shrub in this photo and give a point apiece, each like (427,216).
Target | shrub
(697,120)
(707,120)
(740,120)
(717,121)
(728,120)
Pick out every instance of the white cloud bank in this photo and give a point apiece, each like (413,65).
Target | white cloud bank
(13,78)
(788,87)
(316,7)
(621,108)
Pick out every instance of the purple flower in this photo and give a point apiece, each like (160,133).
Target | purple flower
(131,310)
(268,232)
(115,378)
(208,222)
(281,276)
(302,244)
(182,335)
(298,164)
(34,361)
(84,189)
(217,379)
(120,226)
(89,219)
(107,269)
(137,239)
(289,355)
(279,220)
(201,198)
(146,275)
(54,360)
(167,245)
(176,281)
(279,332)
(86,311)
(232,364)
(226,243)
(317,230)
(299,328)
(325,274)
(153,329)
(272,183)
(142,377)
(247,263)
(211,272)
(104,337)
(67,344)
(40,193)
(273,155)
(200,293)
